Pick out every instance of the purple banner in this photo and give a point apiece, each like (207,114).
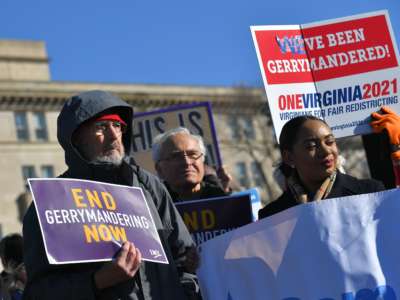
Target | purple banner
(86,221)
(208,218)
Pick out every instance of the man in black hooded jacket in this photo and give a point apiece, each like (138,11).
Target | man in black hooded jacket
(95,129)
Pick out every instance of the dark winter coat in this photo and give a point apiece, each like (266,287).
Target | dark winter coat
(344,185)
(75,282)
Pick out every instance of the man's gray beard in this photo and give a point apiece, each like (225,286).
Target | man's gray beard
(114,159)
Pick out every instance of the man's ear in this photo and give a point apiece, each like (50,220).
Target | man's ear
(287,158)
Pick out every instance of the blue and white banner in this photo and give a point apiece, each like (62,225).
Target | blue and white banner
(337,249)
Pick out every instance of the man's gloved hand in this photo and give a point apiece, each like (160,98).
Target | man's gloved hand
(390,122)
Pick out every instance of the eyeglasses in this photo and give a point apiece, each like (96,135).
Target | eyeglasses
(192,156)
(101,127)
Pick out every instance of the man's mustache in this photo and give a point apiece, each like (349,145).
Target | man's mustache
(113,146)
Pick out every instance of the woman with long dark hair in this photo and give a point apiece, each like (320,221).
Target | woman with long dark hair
(310,167)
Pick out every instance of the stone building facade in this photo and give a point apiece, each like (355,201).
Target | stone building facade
(30,103)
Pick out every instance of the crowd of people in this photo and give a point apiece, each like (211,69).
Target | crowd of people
(95,130)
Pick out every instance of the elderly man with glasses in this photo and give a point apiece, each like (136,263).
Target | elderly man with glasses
(95,131)
(179,160)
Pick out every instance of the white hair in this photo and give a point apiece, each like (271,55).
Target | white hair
(160,139)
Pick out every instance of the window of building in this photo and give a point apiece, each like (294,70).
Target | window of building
(234,127)
(47,171)
(241,174)
(40,126)
(241,127)
(21,125)
(248,128)
(256,171)
(28,172)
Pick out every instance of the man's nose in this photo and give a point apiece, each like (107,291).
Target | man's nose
(113,132)
(187,160)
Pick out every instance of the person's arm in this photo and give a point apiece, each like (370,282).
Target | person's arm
(389,121)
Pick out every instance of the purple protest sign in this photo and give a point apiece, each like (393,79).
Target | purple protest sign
(208,218)
(87,221)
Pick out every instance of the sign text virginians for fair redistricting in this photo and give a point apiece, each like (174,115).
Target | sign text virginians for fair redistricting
(339,70)
(86,221)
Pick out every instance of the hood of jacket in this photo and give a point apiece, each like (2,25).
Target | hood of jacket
(78,110)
